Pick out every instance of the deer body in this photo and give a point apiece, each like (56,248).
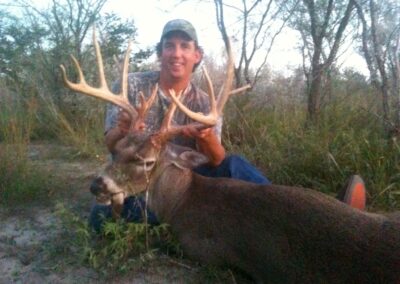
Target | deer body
(276,234)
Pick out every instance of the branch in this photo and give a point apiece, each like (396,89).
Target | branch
(367,54)
(339,33)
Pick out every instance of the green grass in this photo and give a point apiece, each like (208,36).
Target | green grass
(23,119)
(119,248)
(79,123)
(20,181)
(348,140)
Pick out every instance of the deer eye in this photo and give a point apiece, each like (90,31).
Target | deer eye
(149,164)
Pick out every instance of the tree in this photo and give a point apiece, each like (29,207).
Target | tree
(380,35)
(17,44)
(322,26)
(34,44)
(394,62)
(260,22)
(65,24)
(68,21)
(44,38)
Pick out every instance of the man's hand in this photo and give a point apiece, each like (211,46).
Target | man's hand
(208,143)
(124,121)
(193,132)
(122,129)
(118,132)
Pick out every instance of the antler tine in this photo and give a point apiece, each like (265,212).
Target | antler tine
(100,66)
(223,97)
(216,107)
(239,90)
(210,90)
(166,123)
(103,91)
(124,83)
(144,107)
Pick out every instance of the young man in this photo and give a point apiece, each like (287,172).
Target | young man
(179,54)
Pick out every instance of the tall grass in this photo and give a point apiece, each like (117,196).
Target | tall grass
(78,122)
(25,117)
(348,140)
(19,180)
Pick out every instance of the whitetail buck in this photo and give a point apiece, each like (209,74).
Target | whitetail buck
(276,234)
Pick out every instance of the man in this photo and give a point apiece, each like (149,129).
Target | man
(179,54)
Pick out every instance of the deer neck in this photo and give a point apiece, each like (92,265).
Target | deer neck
(168,189)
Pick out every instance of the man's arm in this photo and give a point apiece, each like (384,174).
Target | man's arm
(208,143)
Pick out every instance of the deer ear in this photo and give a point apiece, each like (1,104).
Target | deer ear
(191,159)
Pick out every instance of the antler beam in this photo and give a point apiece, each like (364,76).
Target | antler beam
(103,91)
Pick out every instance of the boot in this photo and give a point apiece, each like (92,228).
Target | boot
(354,193)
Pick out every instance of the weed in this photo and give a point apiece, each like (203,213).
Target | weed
(119,248)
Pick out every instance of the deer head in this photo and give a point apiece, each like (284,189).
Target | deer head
(137,155)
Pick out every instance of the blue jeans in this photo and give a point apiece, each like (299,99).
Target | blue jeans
(133,211)
(232,166)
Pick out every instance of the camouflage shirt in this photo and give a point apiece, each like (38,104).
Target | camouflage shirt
(193,98)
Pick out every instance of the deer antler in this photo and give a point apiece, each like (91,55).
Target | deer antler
(211,118)
(144,107)
(216,108)
(103,91)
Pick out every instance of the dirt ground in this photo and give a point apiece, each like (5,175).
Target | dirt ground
(29,232)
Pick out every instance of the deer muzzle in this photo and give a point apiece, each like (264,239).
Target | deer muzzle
(105,189)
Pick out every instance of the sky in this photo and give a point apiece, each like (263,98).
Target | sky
(151,15)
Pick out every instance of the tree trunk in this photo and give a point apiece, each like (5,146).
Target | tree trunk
(394,57)
(314,93)
(320,19)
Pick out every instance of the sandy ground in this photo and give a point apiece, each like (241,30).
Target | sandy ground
(29,234)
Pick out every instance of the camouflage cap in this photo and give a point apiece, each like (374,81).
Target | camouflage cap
(180,25)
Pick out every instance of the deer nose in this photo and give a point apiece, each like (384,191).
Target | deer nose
(97,186)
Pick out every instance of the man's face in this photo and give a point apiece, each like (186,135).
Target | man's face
(178,56)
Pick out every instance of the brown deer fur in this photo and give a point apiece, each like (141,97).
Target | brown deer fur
(276,234)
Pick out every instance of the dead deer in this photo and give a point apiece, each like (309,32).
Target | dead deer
(276,234)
